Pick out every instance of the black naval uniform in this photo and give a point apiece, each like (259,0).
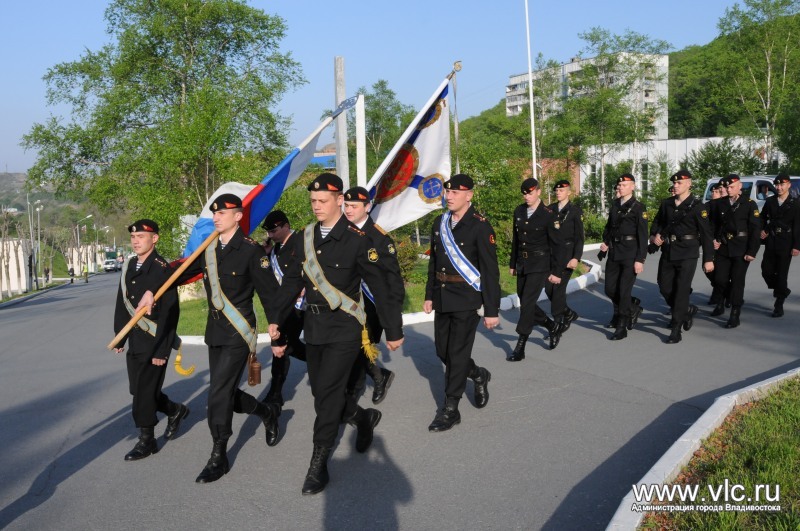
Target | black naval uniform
(625,234)
(144,378)
(333,337)
(456,303)
(387,258)
(684,227)
(781,222)
(291,329)
(739,227)
(569,222)
(243,267)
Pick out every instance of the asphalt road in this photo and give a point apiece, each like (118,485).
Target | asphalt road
(564,436)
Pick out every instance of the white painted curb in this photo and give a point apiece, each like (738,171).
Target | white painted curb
(679,454)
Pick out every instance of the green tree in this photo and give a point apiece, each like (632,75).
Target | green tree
(764,61)
(718,159)
(180,102)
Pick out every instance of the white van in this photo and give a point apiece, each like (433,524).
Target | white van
(756,187)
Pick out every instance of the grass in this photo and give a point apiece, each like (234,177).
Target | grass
(758,444)
(195,312)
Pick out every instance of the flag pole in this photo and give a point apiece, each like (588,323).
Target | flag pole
(410,129)
(140,313)
(530,90)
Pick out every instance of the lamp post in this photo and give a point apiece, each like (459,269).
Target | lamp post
(32,258)
(78,233)
(39,238)
(97,242)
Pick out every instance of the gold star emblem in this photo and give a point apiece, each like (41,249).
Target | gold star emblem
(372,255)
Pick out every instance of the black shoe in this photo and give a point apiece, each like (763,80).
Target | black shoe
(145,446)
(275,395)
(269,416)
(614,321)
(379,391)
(635,317)
(174,422)
(366,426)
(719,309)
(675,336)
(733,321)
(217,465)
(778,311)
(481,382)
(569,316)
(555,328)
(446,418)
(519,350)
(622,330)
(687,324)
(317,476)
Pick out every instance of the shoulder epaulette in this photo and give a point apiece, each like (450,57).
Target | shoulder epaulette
(380,229)
(549,210)
(250,241)
(478,216)
(161,262)
(353,228)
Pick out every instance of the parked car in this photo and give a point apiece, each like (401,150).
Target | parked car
(756,187)
(110,265)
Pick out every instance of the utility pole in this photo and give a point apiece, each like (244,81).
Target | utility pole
(342,162)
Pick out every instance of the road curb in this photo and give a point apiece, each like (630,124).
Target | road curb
(30,296)
(680,453)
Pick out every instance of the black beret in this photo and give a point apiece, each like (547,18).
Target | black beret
(460,181)
(680,175)
(225,202)
(563,183)
(716,186)
(528,184)
(732,178)
(143,225)
(625,177)
(326,182)
(357,193)
(782,178)
(723,181)
(274,219)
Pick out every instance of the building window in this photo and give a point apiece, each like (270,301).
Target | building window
(644,180)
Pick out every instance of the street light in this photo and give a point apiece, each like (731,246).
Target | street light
(78,232)
(39,237)
(96,241)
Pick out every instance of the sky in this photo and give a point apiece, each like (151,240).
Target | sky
(412,44)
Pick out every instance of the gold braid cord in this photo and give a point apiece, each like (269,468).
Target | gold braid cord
(178,367)
(370,349)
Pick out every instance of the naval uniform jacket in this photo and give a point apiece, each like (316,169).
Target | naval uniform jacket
(242,267)
(569,221)
(736,226)
(782,224)
(346,256)
(387,253)
(475,237)
(625,232)
(684,228)
(165,312)
(536,241)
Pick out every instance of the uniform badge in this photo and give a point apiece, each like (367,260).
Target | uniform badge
(557,224)
(756,214)
(391,249)
(704,214)
(264,262)
(491,239)
(372,255)
(644,216)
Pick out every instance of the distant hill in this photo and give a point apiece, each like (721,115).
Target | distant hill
(12,190)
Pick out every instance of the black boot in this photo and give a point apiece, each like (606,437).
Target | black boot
(733,320)
(317,475)
(614,321)
(217,465)
(383,379)
(275,393)
(555,329)
(637,311)
(778,310)
(622,329)
(174,421)
(519,350)
(569,316)
(719,309)
(365,421)
(447,417)
(145,446)
(480,377)
(687,324)
(269,413)
(675,336)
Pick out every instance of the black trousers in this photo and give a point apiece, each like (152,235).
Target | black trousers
(619,285)
(730,273)
(675,283)
(557,293)
(775,270)
(145,381)
(329,369)
(529,287)
(226,365)
(363,366)
(454,335)
(295,348)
